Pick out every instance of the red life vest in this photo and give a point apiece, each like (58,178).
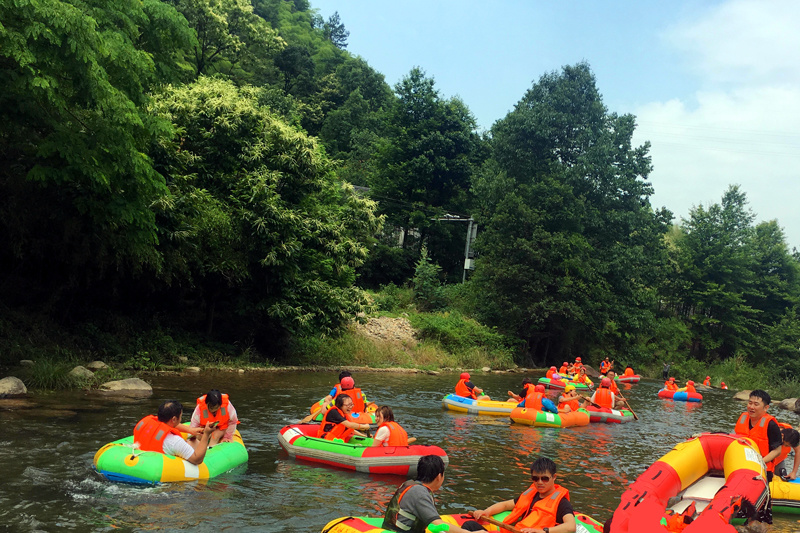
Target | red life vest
(757,433)
(331,430)
(358,399)
(533,400)
(397,435)
(222,415)
(150,434)
(543,513)
(464,391)
(603,398)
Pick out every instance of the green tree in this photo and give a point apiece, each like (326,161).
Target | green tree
(255,219)
(335,31)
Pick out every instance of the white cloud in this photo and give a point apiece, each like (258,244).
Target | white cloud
(744,132)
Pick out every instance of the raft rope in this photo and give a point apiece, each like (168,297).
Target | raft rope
(134,446)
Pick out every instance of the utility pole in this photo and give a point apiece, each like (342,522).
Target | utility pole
(472,233)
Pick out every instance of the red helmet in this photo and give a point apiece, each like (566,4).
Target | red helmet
(672,379)
(539,388)
(708,377)
(464,375)
(553,368)
(566,364)
(348,383)
(578,359)
(690,382)
(605,382)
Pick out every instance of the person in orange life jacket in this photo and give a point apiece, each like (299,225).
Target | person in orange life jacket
(338,423)
(389,432)
(722,385)
(577,364)
(791,442)
(564,370)
(550,372)
(761,428)
(603,396)
(466,389)
(619,402)
(689,387)
(629,371)
(707,381)
(537,399)
(162,433)
(412,508)
(670,384)
(543,508)
(527,385)
(583,378)
(569,401)
(328,400)
(215,407)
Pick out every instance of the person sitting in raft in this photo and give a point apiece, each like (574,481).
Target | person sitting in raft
(671,385)
(564,370)
(707,381)
(762,428)
(629,371)
(549,374)
(689,387)
(620,403)
(570,401)
(466,389)
(389,432)
(791,442)
(162,434)
(603,395)
(581,377)
(214,408)
(412,507)
(527,385)
(538,401)
(543,508)
(338,387)
(345,382)
(605,366)
(722,385)
(577,365)
(338,424)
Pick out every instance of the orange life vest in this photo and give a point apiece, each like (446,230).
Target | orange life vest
(330,430)
(603,398)
(629,372)
(723,386)
(358,399)
(757,433)
(573,403)
(550,373)
(603,367)
(613,388)
(533,400)
(222,415)
(670,385)
(581,379)
(150,434)
(464,391)
(543,513)
(690,388)
(707,382)
(397,435)
(563,370)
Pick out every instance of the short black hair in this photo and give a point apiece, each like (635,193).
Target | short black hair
(764,395)
(791,436)
(340,399)
(542,465)
(214,397)
(344,374)
(168,410)
(525,381)
(429,467)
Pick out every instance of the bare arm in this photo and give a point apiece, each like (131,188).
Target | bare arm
(493,509)
(201,447)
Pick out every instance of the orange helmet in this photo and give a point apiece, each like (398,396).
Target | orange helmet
(464,375)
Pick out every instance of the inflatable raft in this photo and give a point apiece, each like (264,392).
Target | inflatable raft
(785,495)
(531,417)
(370,411)
(713,472)
(628,379)
(681,396)
(560,384)
(358,454)
(609,416)
(119,461)
(362,524)
(477,407)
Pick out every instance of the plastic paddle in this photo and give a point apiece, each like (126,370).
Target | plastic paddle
(498,523)
(635,417)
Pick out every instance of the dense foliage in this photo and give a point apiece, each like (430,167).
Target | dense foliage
(187,164)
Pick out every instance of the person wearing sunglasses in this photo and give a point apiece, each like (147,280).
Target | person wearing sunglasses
(543,508)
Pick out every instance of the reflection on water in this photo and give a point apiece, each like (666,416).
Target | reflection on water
(48,483)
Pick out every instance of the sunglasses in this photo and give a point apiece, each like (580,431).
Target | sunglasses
(544,479)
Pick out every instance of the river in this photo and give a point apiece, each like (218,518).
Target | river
(48,483)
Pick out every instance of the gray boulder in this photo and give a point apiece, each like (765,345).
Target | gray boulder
(743,395)
(81,373)
(94,366)
(192,369)
(127,387)
(486,369)
(26,362)
(790,404)
(12,386)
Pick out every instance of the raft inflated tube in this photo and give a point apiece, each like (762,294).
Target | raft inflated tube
(785,495)
(471,406)
(680,396)
(560,384)
(643,505)
(531,417)
(119,461)
(363,524)
(628,379)
(301,441)
(609,416)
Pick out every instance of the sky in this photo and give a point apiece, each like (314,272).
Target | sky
(715,85)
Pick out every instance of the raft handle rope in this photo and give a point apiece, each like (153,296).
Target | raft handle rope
(134,446)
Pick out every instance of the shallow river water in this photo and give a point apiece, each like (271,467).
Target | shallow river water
(48,483)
